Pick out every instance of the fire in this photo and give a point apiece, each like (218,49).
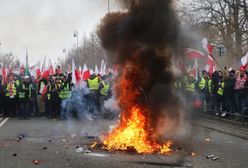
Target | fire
(133,129)
(133,134)
(93,145)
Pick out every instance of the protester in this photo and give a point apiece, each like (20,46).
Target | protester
(105,93)
(25,91)
(11,96)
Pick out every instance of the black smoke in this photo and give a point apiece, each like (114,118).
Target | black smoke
(143,39)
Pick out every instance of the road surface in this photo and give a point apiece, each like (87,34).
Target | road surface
(52,144)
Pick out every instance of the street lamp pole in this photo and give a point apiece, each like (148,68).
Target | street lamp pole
(76,35)
(64,51)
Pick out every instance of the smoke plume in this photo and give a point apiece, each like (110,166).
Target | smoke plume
(141,41)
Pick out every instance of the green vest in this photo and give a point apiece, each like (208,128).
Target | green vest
(104,90)
(221,89)
(7,94)
(202,83)
(93,83)
(190,87)
(65,92)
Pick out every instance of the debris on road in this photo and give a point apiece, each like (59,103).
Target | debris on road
(188,165)
(210,156)
(215,158)
(20,137)
(193,153)
(207,139)
(45,148)
(79,150)
(36,162)
(82,150)
(14,154)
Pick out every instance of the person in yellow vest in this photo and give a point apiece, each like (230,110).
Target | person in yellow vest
(65,93)
(24,95)
(220,95)
(190,87)
(104,94)
(93,85)
(203,89)
(10,94)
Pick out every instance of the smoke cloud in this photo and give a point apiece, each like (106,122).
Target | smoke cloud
(141,41)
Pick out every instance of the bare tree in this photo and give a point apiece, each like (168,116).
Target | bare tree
(89,52)
(9,59)
(223,20)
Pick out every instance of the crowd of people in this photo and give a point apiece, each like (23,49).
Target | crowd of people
(222,93)
(55,96)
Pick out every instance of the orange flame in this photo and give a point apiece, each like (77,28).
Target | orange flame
(133,129)
(93,145)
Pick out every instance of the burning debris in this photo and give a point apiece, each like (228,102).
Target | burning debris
(141,42)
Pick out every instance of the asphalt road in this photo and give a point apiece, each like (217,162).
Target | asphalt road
(53,144)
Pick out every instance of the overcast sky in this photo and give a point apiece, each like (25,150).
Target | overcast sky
(45,27)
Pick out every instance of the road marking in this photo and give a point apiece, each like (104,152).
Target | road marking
(3,122)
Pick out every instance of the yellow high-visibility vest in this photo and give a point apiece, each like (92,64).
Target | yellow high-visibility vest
(104,90)
(93,83)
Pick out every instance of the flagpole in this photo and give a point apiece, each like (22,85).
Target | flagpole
(216,62)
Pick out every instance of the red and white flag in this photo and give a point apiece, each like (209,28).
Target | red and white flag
(4,74)
(244,61)
(43,68)
(96,70)
(50,67)
(207,46)
(210,66)
(74,79)
(35,70)
(86,73)
(192,54)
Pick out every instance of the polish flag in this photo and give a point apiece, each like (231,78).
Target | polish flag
(86,73)
(22,69)
(210,66)
(244,61)
(10,70)
(4,73)
(102,68)
(192,54)
(43,68)
(35,70)
(74,79)
(50,67)
(96,70)
(207,46)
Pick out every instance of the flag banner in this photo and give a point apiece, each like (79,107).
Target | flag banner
(192,53)
(244,61)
